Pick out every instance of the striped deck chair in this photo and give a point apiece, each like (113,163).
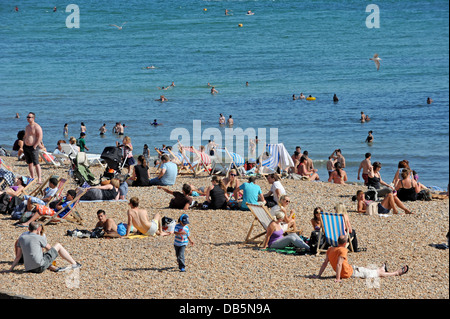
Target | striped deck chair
(183,162)
(70,216)
(230,159)
(333,226)
(203,161)
(263,217)
(26,189)
(278,158)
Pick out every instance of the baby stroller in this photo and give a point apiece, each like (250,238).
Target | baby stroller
(112,155)
(80,171)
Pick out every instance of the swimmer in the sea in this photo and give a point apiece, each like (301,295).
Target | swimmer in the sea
(301,96)
(213,90)
(155,123)
(162,98)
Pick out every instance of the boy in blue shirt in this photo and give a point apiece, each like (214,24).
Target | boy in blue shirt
(182,238)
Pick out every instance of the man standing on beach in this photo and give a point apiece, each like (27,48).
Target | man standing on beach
(33,137)
(365,166)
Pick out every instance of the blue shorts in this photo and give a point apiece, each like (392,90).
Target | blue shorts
(382,210)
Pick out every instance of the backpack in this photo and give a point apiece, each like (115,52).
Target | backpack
(424,194)
(8,203)
(371,194)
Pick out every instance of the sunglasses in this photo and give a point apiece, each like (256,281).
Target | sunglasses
(30,117)
(233,174)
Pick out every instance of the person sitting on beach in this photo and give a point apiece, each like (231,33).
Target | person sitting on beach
(341,209)
(40,232)
(58,150)
(275,238)
(338,176)
(310,164)
(73,144)
(17,149)
(337,257)
(289,217)
(216,195)
(16,189)
(109,190)
(137,217)
(141,174)
(168,174)
(316,221)
(272,197)
(47,195)
(180,200)
(374,180)
(390,201)
(365,165)
(232,182)
(63,206)
(35,260)
(108,225)
(407,188)
(252,194)
(303,170)
(403,164)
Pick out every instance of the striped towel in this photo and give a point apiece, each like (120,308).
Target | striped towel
(274,157)
(237,159)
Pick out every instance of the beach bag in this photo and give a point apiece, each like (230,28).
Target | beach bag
(98,232)
(122,229)
(371,194)
(313,242)
(372,209)
(424,194)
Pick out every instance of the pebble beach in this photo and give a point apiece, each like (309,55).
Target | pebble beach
(219,265)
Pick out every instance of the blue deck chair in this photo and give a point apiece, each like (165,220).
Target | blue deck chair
(229,159)
(333,226)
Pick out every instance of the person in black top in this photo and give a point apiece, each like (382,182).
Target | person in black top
(180,200)
(141,174)
(216,195)
(374,180)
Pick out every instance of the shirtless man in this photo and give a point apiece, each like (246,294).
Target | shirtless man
(108,224)
(330,165)
(310,165)
(33,137)
(230,121)
(137,217)
(337,155)
(363,117)
(365,165)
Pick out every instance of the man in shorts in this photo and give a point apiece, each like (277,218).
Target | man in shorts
(137,217)
(337,257)
(35,260)
(31,140)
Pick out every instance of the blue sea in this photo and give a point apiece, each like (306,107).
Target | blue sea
(97,74)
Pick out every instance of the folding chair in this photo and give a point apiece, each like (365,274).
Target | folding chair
(333,226)
(70,216)
(49,158)
(26,189)
(36,191)
(229,160)
(263,216)
(278,158)
(71,152)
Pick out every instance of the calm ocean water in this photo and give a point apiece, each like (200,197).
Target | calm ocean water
(95,74)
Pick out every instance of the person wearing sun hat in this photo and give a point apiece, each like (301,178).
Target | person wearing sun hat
(182,238)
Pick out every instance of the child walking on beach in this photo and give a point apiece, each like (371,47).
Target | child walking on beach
(182,238)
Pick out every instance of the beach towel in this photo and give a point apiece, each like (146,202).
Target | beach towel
(288,250)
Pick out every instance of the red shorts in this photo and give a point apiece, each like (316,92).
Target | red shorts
(365,178)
